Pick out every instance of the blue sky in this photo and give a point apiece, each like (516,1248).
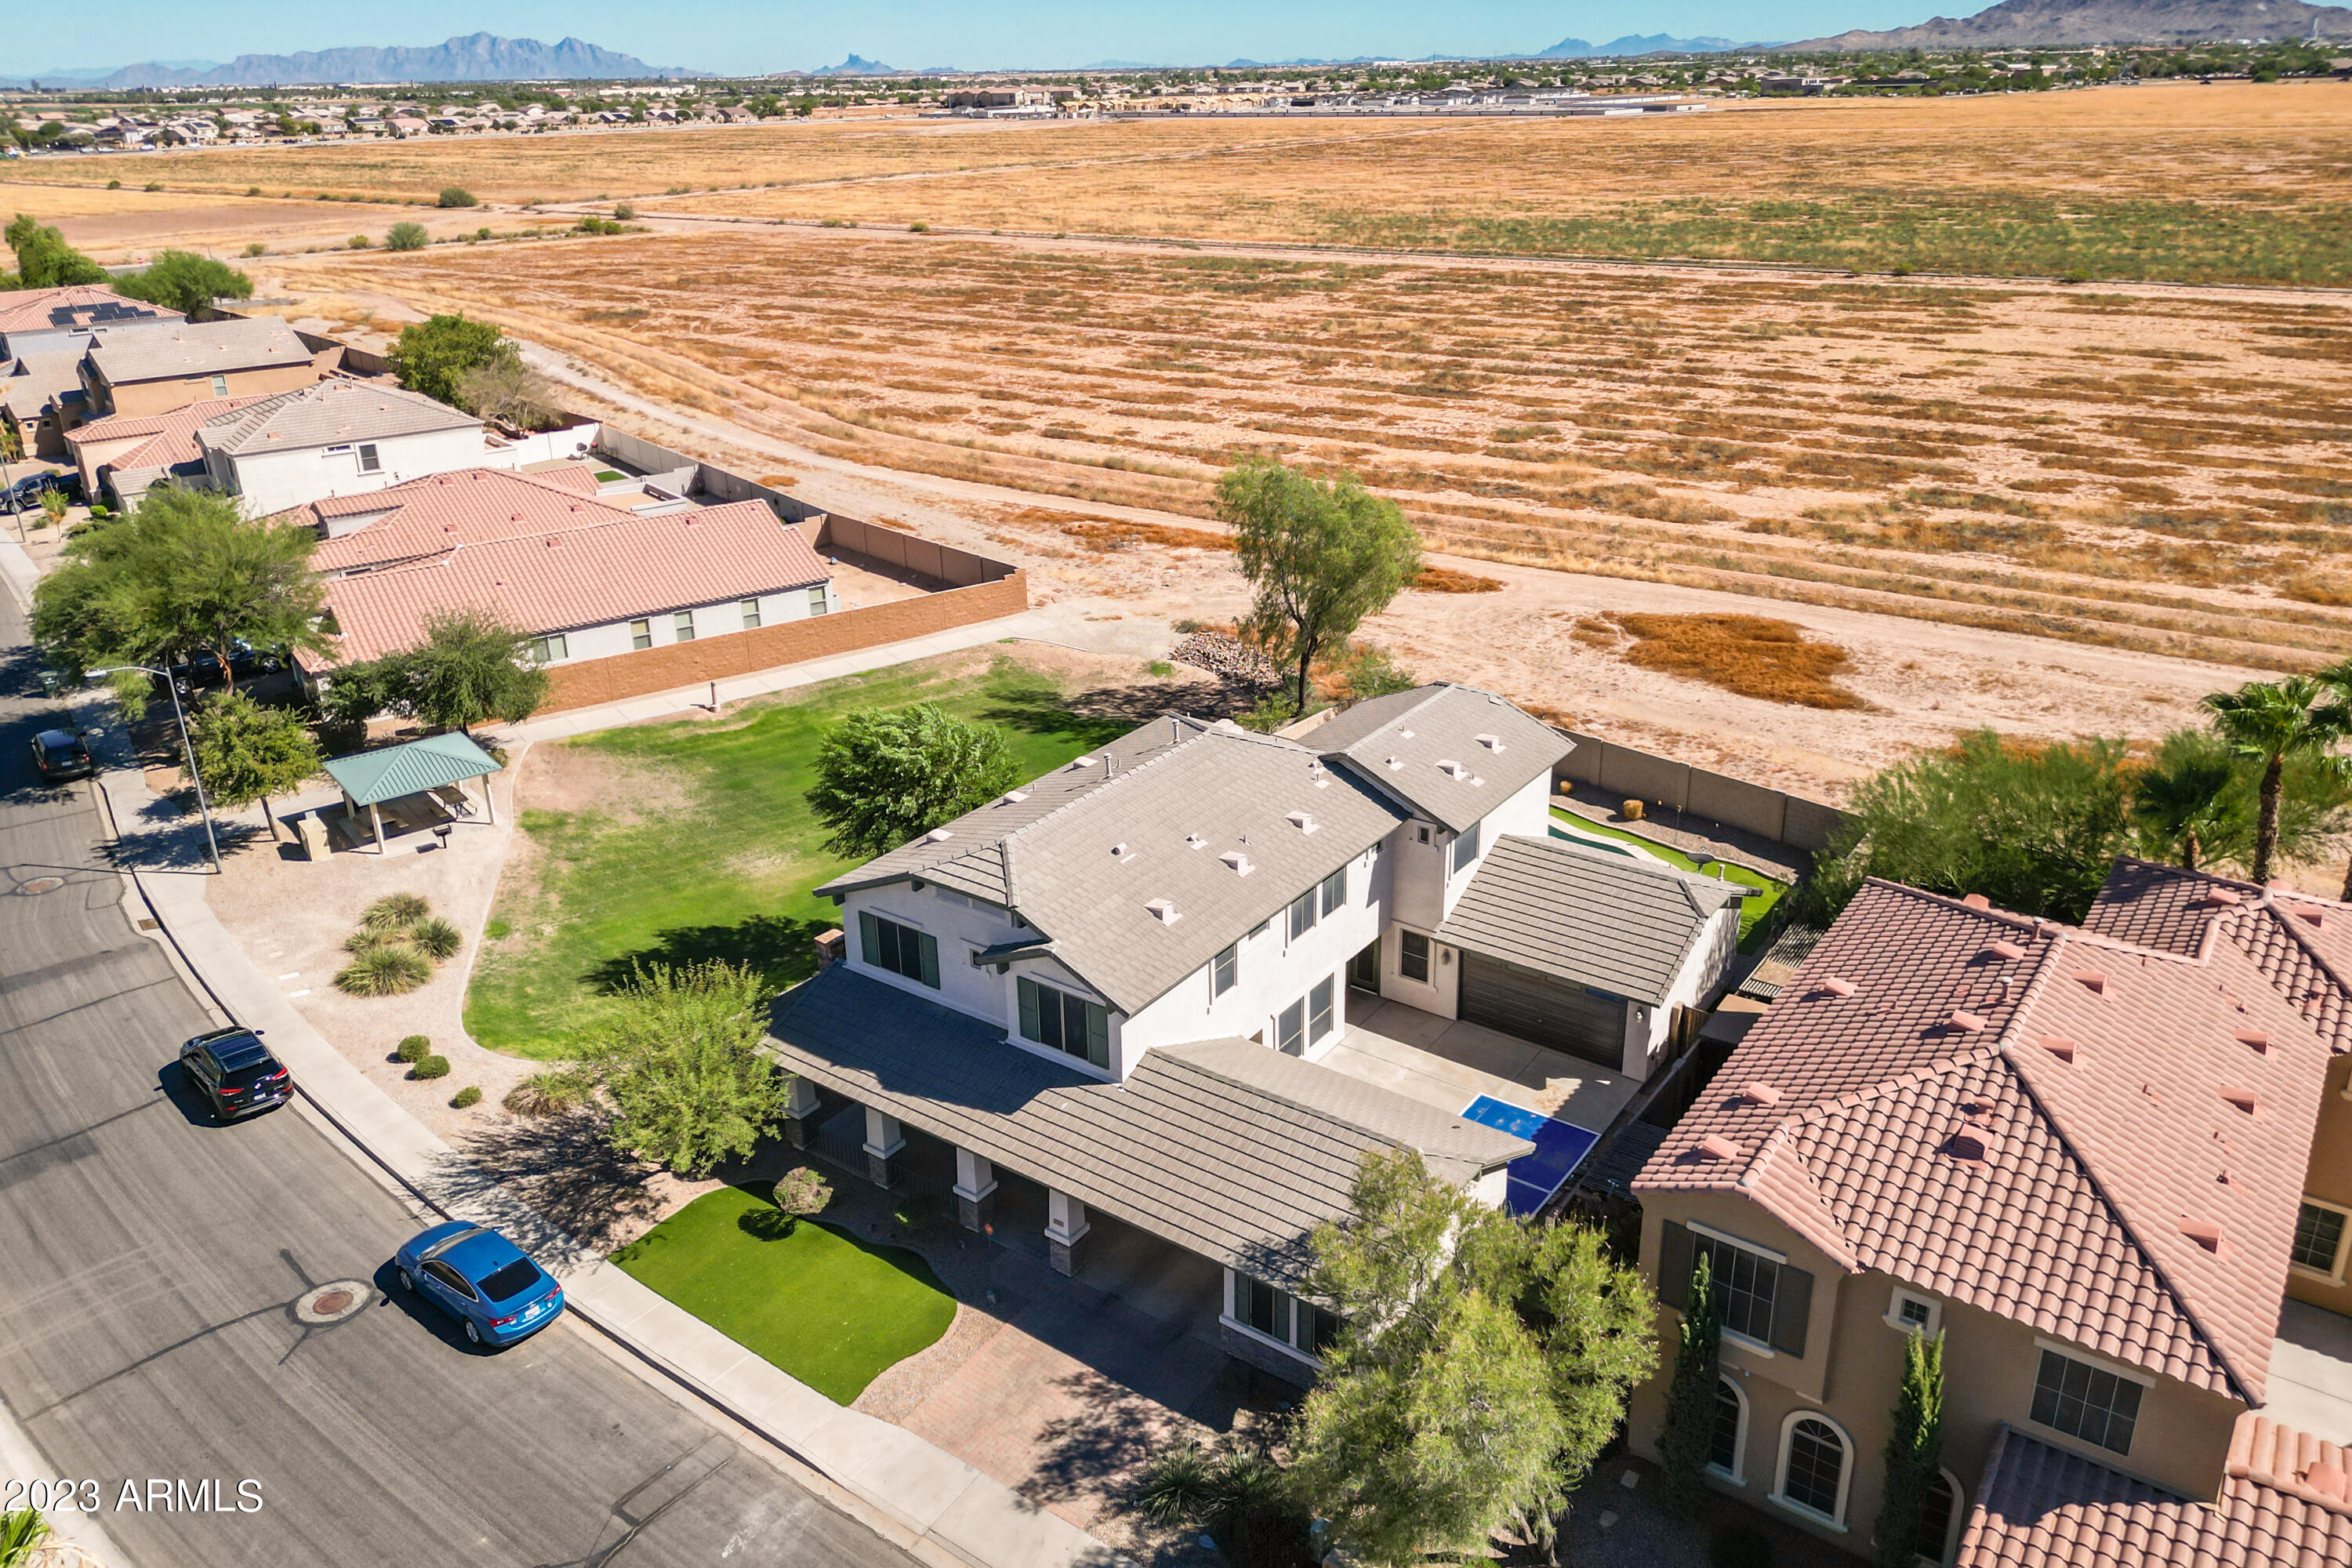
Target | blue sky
(744,36)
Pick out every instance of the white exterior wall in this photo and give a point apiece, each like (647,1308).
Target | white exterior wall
(1698,982)
(709,620)
(960,926)
(270,482)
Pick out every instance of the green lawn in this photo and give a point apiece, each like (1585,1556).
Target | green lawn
(729,874)
(816,1301)
(1751,911)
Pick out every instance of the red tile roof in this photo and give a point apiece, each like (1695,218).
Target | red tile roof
(2047,1183)
(172,437)
(615,569)
(2281,1505)
(25,309)
(468,506)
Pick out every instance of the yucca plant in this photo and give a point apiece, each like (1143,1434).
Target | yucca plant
(435,937)
(394,909)
(367,939)
(22,1531)
(386,971)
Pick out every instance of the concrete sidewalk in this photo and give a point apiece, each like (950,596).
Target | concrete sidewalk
(938,1497)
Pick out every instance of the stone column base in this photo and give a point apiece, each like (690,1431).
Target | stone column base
(1064,1255)
(974,1214)
(798,1131)
(878,1169)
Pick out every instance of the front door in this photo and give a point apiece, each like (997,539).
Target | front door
(1364,968)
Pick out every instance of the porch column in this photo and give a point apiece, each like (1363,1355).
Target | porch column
(975,1189)
(800,1113)
(882,1141)
(1065,1227)
(375,820)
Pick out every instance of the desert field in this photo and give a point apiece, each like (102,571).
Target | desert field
(132,225)
(2156,468)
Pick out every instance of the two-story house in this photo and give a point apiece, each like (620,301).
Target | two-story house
(2082,1156)
(145,368)
(1130,982)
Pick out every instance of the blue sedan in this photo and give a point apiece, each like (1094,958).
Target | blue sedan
(481,1278)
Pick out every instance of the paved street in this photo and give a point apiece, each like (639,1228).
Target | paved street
(149,1263)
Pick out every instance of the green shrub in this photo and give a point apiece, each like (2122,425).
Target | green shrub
(431,1066)
(360,242)
(367,939)
(114,184)
(551,1093)
(465,1098)
(435,937)
(406,236)
(396,909)
(483,232)
(154,184)
(390,970)
(802,1193)
(416,1048)
(918,228)
(253,190)
(1160,667)
(624,212)
(256,248)
(458,196)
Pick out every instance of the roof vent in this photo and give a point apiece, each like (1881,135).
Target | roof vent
(1404,734)
(940,835)
(1834,987)
(2008,951)
(1015,797)
(2095,981)
(1967,1023)
(1163,910)
(1238,861)
(1978,901)
(1119,851)
(1394,764)
(2205,1234)
(1715,1146)
(2059,1045)
(1302,821)
(1492,742)
(2243,1099)
(1195,841)
(1760,1093)
(1972,1144)
(2325,1479)
(2220,896)
(2319,918)
(2257,1038)
(1082,761)
(1452,769)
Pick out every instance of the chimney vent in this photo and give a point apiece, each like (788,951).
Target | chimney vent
(1972,1144)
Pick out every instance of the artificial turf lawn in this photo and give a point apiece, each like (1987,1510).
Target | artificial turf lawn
(1751,911)
(816,1302)
(728,876)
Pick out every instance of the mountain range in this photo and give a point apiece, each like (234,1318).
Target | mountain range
(2101,22)
(481,56)
(856,65)
(1637,44)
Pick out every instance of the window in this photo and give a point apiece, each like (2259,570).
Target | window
(1939,1519)
(370,462)
(1914,1314)
(818,604)
(220,386)
(1730,1434)
(2318,1239)
(1412,956)
(1290,1029)
(1746,1283)
(1262,1306)
(1813,1468)
(450,1278)
(641,635)
(1302,914)
(1223,970)
(1318,1329)
(2083,1401)
(1319,1010)
(900,949)
(1071,1025)
(1465,847)
(1425,834)
(1335,889)
(551,648)
(751,614)
(682,626)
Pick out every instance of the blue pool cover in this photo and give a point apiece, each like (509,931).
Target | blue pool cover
(1560,1146)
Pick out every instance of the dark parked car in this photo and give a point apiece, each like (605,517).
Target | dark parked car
(232,1069)
(59,754)
(25,495)
(202,668)
(481,1278)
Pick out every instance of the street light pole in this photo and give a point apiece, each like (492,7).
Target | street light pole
(188,747)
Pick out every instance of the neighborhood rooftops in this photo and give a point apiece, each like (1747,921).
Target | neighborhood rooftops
(2030,1119)
(73,305)
(1452,752)
(468,506)
(170,439)
(39,379)
(330,412)
(1607,921)
(614,570)
(1225,1148)
(193,349)
(1199,816)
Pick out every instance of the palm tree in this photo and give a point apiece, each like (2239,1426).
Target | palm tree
(2336,681)
(2182,801)
(2269,721)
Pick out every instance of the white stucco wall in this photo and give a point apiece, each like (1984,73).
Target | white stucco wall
(709,620)
(267,482)
(1697,984)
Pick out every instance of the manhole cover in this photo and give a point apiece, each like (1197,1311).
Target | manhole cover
(332,1303)
(43,885)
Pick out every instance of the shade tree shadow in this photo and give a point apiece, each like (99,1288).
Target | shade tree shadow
(566,1168)
(778,946)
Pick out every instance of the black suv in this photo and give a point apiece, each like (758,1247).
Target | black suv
(60,756)
(232,1069)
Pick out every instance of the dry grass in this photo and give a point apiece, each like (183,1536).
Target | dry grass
(1751,654)
(1447,580)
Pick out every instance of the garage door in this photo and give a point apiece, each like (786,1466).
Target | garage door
(1539,1008)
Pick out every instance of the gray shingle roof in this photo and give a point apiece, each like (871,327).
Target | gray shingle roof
(150,352)
(38,379)
(1401,742)
(1084,872)
(1231,1151)
(1609,921)
(329,413)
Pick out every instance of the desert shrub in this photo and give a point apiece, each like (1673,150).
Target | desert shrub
(367,939)
(1274,710)
(802,1193)
(1446,580)
(435,937)
(624,212)
(360,242)
(551,1093)
(256,248)
(414,1049)
(406,236)
(456,197)
(466,1097)
(431,1066)
(390,970)
(1754,655)
(918,228)
(396,909)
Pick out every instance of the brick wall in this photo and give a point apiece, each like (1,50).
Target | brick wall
(731,654)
